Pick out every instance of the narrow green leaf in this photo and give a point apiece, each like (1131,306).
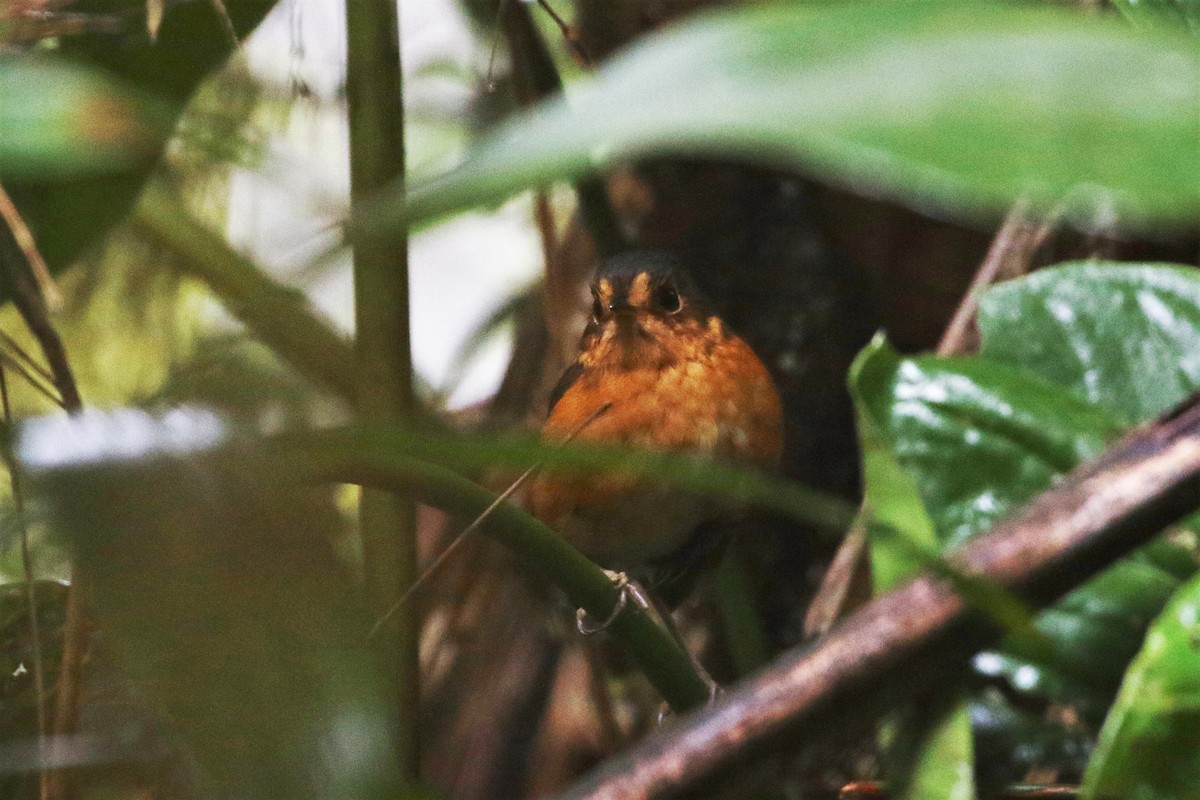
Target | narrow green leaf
(890,494)
(901,538)
(1123,336)
(958,106)
(944,768)
(1149,747)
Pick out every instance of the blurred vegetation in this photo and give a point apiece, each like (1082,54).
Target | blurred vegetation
(829,169)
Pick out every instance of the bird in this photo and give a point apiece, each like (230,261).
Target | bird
(657,369)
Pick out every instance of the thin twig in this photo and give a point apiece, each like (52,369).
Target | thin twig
(1013,245)
(477,523)
(27,243)
(490,75)
(39,681)
(533,63)
(29,361)
(1012,240)
(38,384)
(569,35)
(31,303)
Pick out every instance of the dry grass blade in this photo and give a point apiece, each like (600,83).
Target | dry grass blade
(39,384)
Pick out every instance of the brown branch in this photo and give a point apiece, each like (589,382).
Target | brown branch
(847,583)
(1012,246)
(911,639)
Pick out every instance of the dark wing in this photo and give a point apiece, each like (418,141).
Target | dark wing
(565,381)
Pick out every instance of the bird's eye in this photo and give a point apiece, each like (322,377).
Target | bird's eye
(597,309)
(667,298)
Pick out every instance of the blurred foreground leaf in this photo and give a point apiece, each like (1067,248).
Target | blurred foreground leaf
(962,106)
(1149,748)
(215,585)
(61,120)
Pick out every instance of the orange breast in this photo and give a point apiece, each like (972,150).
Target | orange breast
(718,401)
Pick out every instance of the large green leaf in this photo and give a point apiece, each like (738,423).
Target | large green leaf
(979,439)
(1125,337)
(1148,747)
(964,106)
(216,586)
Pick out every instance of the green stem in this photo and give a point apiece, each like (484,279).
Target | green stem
(349,457)
(383,353)
(278,315)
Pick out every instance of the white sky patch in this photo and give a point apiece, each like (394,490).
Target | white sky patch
(288,213)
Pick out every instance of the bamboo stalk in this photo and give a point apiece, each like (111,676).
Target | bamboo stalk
(383,360)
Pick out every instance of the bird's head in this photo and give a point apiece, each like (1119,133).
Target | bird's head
(646,311)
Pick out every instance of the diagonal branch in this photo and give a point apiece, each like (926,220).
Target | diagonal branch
(912,637)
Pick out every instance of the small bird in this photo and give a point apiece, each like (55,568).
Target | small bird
(671,376)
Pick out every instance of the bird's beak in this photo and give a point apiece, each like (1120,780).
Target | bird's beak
(621,307)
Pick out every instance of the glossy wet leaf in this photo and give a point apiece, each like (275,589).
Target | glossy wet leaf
(962,106)
(979,439)
(1149,745)
(1125,337)
(215,585)
(59,120)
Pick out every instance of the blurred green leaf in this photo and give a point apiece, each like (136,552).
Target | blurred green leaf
(215,585)
(60,120)
(963,106)
(943,768)
(1149,747)
(1125,337)
(1185,13)
(477,451)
